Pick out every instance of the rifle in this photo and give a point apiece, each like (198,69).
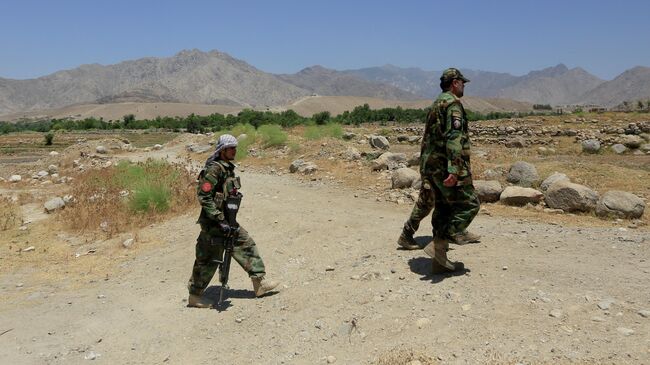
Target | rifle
(232,207)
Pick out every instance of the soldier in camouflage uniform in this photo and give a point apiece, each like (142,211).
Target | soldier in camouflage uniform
(446,176)
(216,181)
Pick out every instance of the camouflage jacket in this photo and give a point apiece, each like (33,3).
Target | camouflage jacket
(215,182)
(445,144)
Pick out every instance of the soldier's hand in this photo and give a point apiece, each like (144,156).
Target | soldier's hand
(450,181)
(224,228)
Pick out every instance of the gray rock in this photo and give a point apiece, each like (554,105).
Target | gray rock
(620,204)
(645,147)
(414,160)
(295,165)
(389,161)
(379,142)
(555,177)
(15,178)
(493,174)
(618,148)
(352,154)
(195,148)
(488,191)
(156,147)
(571,197)
(303,167)
(128,242)
(101,149)
(625,331)
(606,303)
(404,178)
(556,313)
(516,142)
(53,169)
(523,174)
(54,153)
(644,313)
(54,204)
(349,136)
(516,195)
(631,141)
(591,146)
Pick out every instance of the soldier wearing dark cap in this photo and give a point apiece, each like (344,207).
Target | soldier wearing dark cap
(446,176)
(216,181)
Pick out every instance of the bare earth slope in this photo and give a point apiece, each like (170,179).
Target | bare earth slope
(531,293)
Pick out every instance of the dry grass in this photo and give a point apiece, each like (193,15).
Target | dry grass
(111,199)
(10,216)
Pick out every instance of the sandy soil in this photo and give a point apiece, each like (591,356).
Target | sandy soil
(531,292)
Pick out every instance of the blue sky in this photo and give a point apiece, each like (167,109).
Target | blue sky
(285,36)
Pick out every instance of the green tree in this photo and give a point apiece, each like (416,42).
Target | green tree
(321,118)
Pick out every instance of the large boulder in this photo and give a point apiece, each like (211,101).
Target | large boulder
(404,178)
(389,161)
(101,149)
(591,146)
(379,142)
(54,204)
(488,191)
(517,195)
(618,148)
(571,197)
(303,167)
(631,141)
(516,142)
(555,177)
(414,160)
(523,174)
(620,204)
(352,154)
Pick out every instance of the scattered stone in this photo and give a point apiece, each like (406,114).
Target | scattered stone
(158,147)
(101,149)
(91,355)
(194,148)
(488,191)
(523,174)
(571,197)
(389,161)
(606,304)
(379,142)
(518,196)
(302,167)
(53,169)
(591,146)
(553,178)
(15,178)
(625,331)
(28,249)
(644,313)
(54,153)
(331,359)
(516,142)
(620,204)
(618,148)
(404,178)
(556,313)
(423,322)
(128,243)
(54,204)
(352,154)
(598,319)
(631,141)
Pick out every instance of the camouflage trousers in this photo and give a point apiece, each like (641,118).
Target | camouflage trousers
(210,247)
(453,208)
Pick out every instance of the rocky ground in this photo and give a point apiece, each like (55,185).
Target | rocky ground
(540,288)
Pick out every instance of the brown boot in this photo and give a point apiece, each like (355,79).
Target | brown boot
(262,286)
(438,251)
(407,242)
(198,301)
(465,237)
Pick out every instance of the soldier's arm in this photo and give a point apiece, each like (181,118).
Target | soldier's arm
(209,186)
(453,134)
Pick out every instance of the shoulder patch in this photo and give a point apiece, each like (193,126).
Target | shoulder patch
(206,187)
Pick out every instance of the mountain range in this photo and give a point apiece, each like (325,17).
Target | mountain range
(216,78)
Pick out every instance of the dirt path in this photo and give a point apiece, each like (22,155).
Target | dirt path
(531,293)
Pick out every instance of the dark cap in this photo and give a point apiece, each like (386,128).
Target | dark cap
(452,74)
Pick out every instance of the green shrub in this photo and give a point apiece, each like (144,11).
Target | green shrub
(333,130)
(49,137)
(272,135)
(150,196)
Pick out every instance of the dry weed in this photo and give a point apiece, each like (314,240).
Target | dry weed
(10,216)
(108,199)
